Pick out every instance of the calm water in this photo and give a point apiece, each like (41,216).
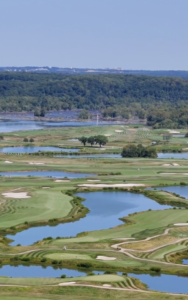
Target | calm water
(54,174)
(183,155)
(164,283)
(105,210)
(91,156)
(34,149)
(37,271)
(17,125)
(180,190)
(185,261)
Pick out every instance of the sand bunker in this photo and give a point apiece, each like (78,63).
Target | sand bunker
(173,173)
(67,283)
(22,195)
(61,180)
(46,187)
(166,165)
(118,130)
(105,258)
(106,285)
(173,131)
(175,165)
(107,134)
(8,162)
(93,180)
(181,224)
(36,163)
(101,185)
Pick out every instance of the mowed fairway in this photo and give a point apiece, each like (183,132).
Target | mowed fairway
(44,204)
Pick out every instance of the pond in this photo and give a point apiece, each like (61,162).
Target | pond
(180,190)
(30,149)
(53,174)
(105,210)
(90,156)
(40,271)
(164,283)
(17,125)
(183,155)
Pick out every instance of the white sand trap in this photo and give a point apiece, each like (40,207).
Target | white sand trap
(61,180)
(8,162)
(166,165)
(67,283)
(36,163)
(174,174)
(175,165)
(173,131)
(106,285)
(118,130)
(185,148)
(101,185)
(93,180)
(181,224)
(105,258)
(22,195)
(46,187)
(107,135)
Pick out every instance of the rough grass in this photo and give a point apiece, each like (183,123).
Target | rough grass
(151,244)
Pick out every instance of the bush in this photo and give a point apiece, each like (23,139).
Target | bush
(84,265)
(31,140)
(25,140)
(63,276)
(43,259)
(155,269)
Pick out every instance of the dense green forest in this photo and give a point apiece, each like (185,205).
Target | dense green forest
(162,100)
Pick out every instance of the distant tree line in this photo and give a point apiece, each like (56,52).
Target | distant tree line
(94,140)
(162,101)
(138,151)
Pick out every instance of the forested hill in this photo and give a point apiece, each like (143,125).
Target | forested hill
(114,94)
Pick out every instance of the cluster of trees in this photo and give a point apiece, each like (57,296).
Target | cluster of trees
(25,140)
(94,140)
(138,151)
(162,100)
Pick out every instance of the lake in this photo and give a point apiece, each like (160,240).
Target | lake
(34,149)
(183,155)
(180,190)
(105,210)
(53,174)
(17,125)
(164,283)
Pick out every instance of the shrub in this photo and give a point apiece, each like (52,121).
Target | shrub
(43,259)
(31,140)
(155,269)
(25,140)
(63,276)
(84,265)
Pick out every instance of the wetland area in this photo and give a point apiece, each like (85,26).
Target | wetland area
(97,218)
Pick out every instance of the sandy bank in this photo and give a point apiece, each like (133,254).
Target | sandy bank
(22,195)
(105,258)
(8,162)
(61,180)
(111,185)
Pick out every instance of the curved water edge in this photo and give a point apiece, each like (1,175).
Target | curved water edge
(164,283)
(7,125)
(40,271)
(179,190)
(51,174)
(106,209)
(34,149)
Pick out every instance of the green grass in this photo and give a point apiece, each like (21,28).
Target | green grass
(44,204)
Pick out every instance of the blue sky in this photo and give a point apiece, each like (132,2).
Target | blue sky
(131,34)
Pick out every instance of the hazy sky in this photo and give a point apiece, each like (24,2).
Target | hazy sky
(131,34)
